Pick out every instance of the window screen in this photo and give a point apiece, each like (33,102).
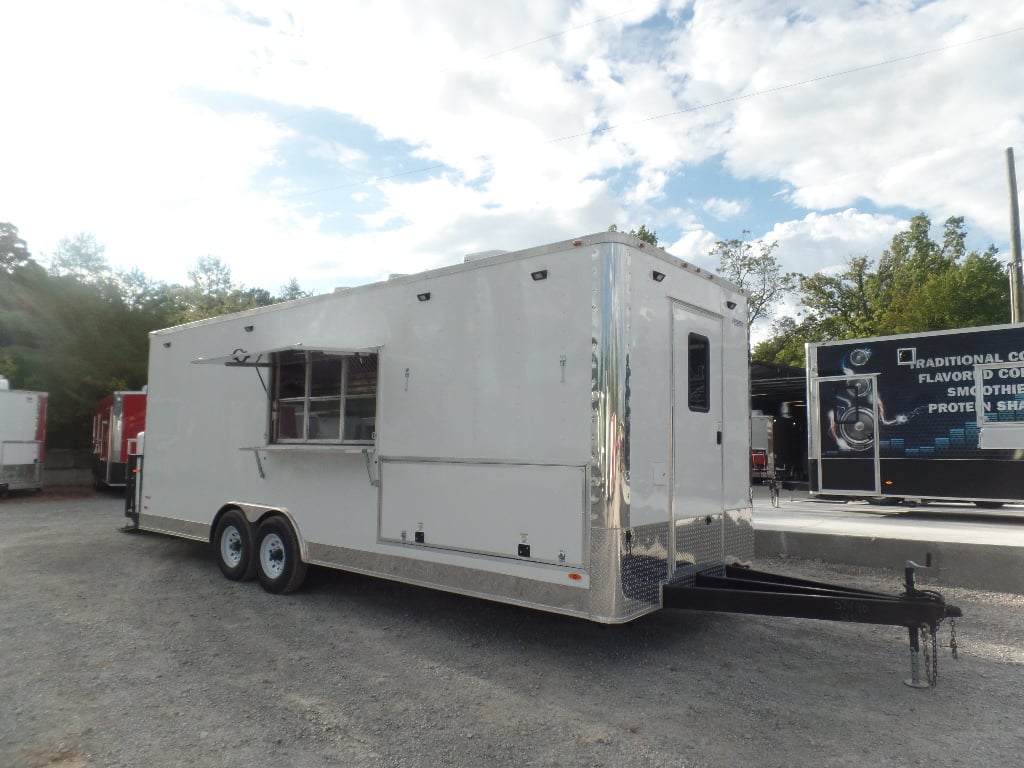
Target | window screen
(699,368)
(324,398)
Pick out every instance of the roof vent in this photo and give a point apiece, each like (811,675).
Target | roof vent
(482,255)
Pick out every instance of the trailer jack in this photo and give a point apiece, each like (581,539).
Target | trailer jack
(739,589)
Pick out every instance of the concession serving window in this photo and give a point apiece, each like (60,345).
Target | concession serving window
(316,396)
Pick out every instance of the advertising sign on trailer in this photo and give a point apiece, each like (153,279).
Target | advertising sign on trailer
(895,417)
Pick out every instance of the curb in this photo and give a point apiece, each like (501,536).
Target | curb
(976,566)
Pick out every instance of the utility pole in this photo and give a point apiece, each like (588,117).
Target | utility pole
(1016,266)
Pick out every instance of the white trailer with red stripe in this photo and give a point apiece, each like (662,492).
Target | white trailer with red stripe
(22,438)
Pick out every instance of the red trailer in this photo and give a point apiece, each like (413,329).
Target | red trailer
(116,425)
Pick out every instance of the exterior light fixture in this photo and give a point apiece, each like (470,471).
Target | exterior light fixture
(658,276)
(423,296)
(248,329)
(731,304)
(540,274)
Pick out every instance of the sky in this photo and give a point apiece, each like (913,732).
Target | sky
(339,142)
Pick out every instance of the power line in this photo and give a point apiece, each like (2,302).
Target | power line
(797,84)
(553,36)
(694,108)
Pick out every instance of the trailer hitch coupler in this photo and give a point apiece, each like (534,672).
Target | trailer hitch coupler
(910,572)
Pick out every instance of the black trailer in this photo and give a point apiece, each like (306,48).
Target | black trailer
(895,418)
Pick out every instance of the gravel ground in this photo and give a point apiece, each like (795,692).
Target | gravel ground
(132,650)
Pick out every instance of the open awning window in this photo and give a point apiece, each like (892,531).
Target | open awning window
(244,358)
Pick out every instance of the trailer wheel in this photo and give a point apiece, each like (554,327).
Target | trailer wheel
(233,542)
(279,567)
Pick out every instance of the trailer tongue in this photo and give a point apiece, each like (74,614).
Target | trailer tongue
(739,589)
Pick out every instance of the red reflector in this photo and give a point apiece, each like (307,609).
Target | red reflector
(575,576)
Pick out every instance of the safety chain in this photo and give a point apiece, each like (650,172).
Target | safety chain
(935,657)
(931,653)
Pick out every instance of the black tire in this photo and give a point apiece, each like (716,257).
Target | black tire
(233,545)
(279,565)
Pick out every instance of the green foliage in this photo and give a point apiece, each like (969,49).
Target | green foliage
(212,292)
(80,330)
(757,271)
(13,250)
(645,234)
(918,285)
(292,291)
(81,257)
(786,344)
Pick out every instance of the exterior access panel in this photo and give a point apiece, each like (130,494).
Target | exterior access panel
(896,416)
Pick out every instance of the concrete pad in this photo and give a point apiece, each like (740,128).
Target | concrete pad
(968,548)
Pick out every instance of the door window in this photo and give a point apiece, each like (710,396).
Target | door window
(699,373)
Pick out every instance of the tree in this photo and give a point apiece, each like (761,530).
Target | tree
(13,250)
(910,262)
(645,234)
(972,293)
(292,291)
(213,292)
(757,271)
(841,305)
(785,345)
(82,257)
(918,285)
(79,330)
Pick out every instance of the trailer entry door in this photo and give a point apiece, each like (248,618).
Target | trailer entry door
(847,434)
(697,475)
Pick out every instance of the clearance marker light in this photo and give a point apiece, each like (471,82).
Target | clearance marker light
(575,576)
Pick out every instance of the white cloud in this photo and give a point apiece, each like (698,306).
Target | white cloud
(155,125)
(724,209)
(926,133)
(823,242)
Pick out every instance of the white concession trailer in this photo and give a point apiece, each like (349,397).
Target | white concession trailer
(564,427)
(22,438)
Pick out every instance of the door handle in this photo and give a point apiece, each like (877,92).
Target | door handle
(718,437)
